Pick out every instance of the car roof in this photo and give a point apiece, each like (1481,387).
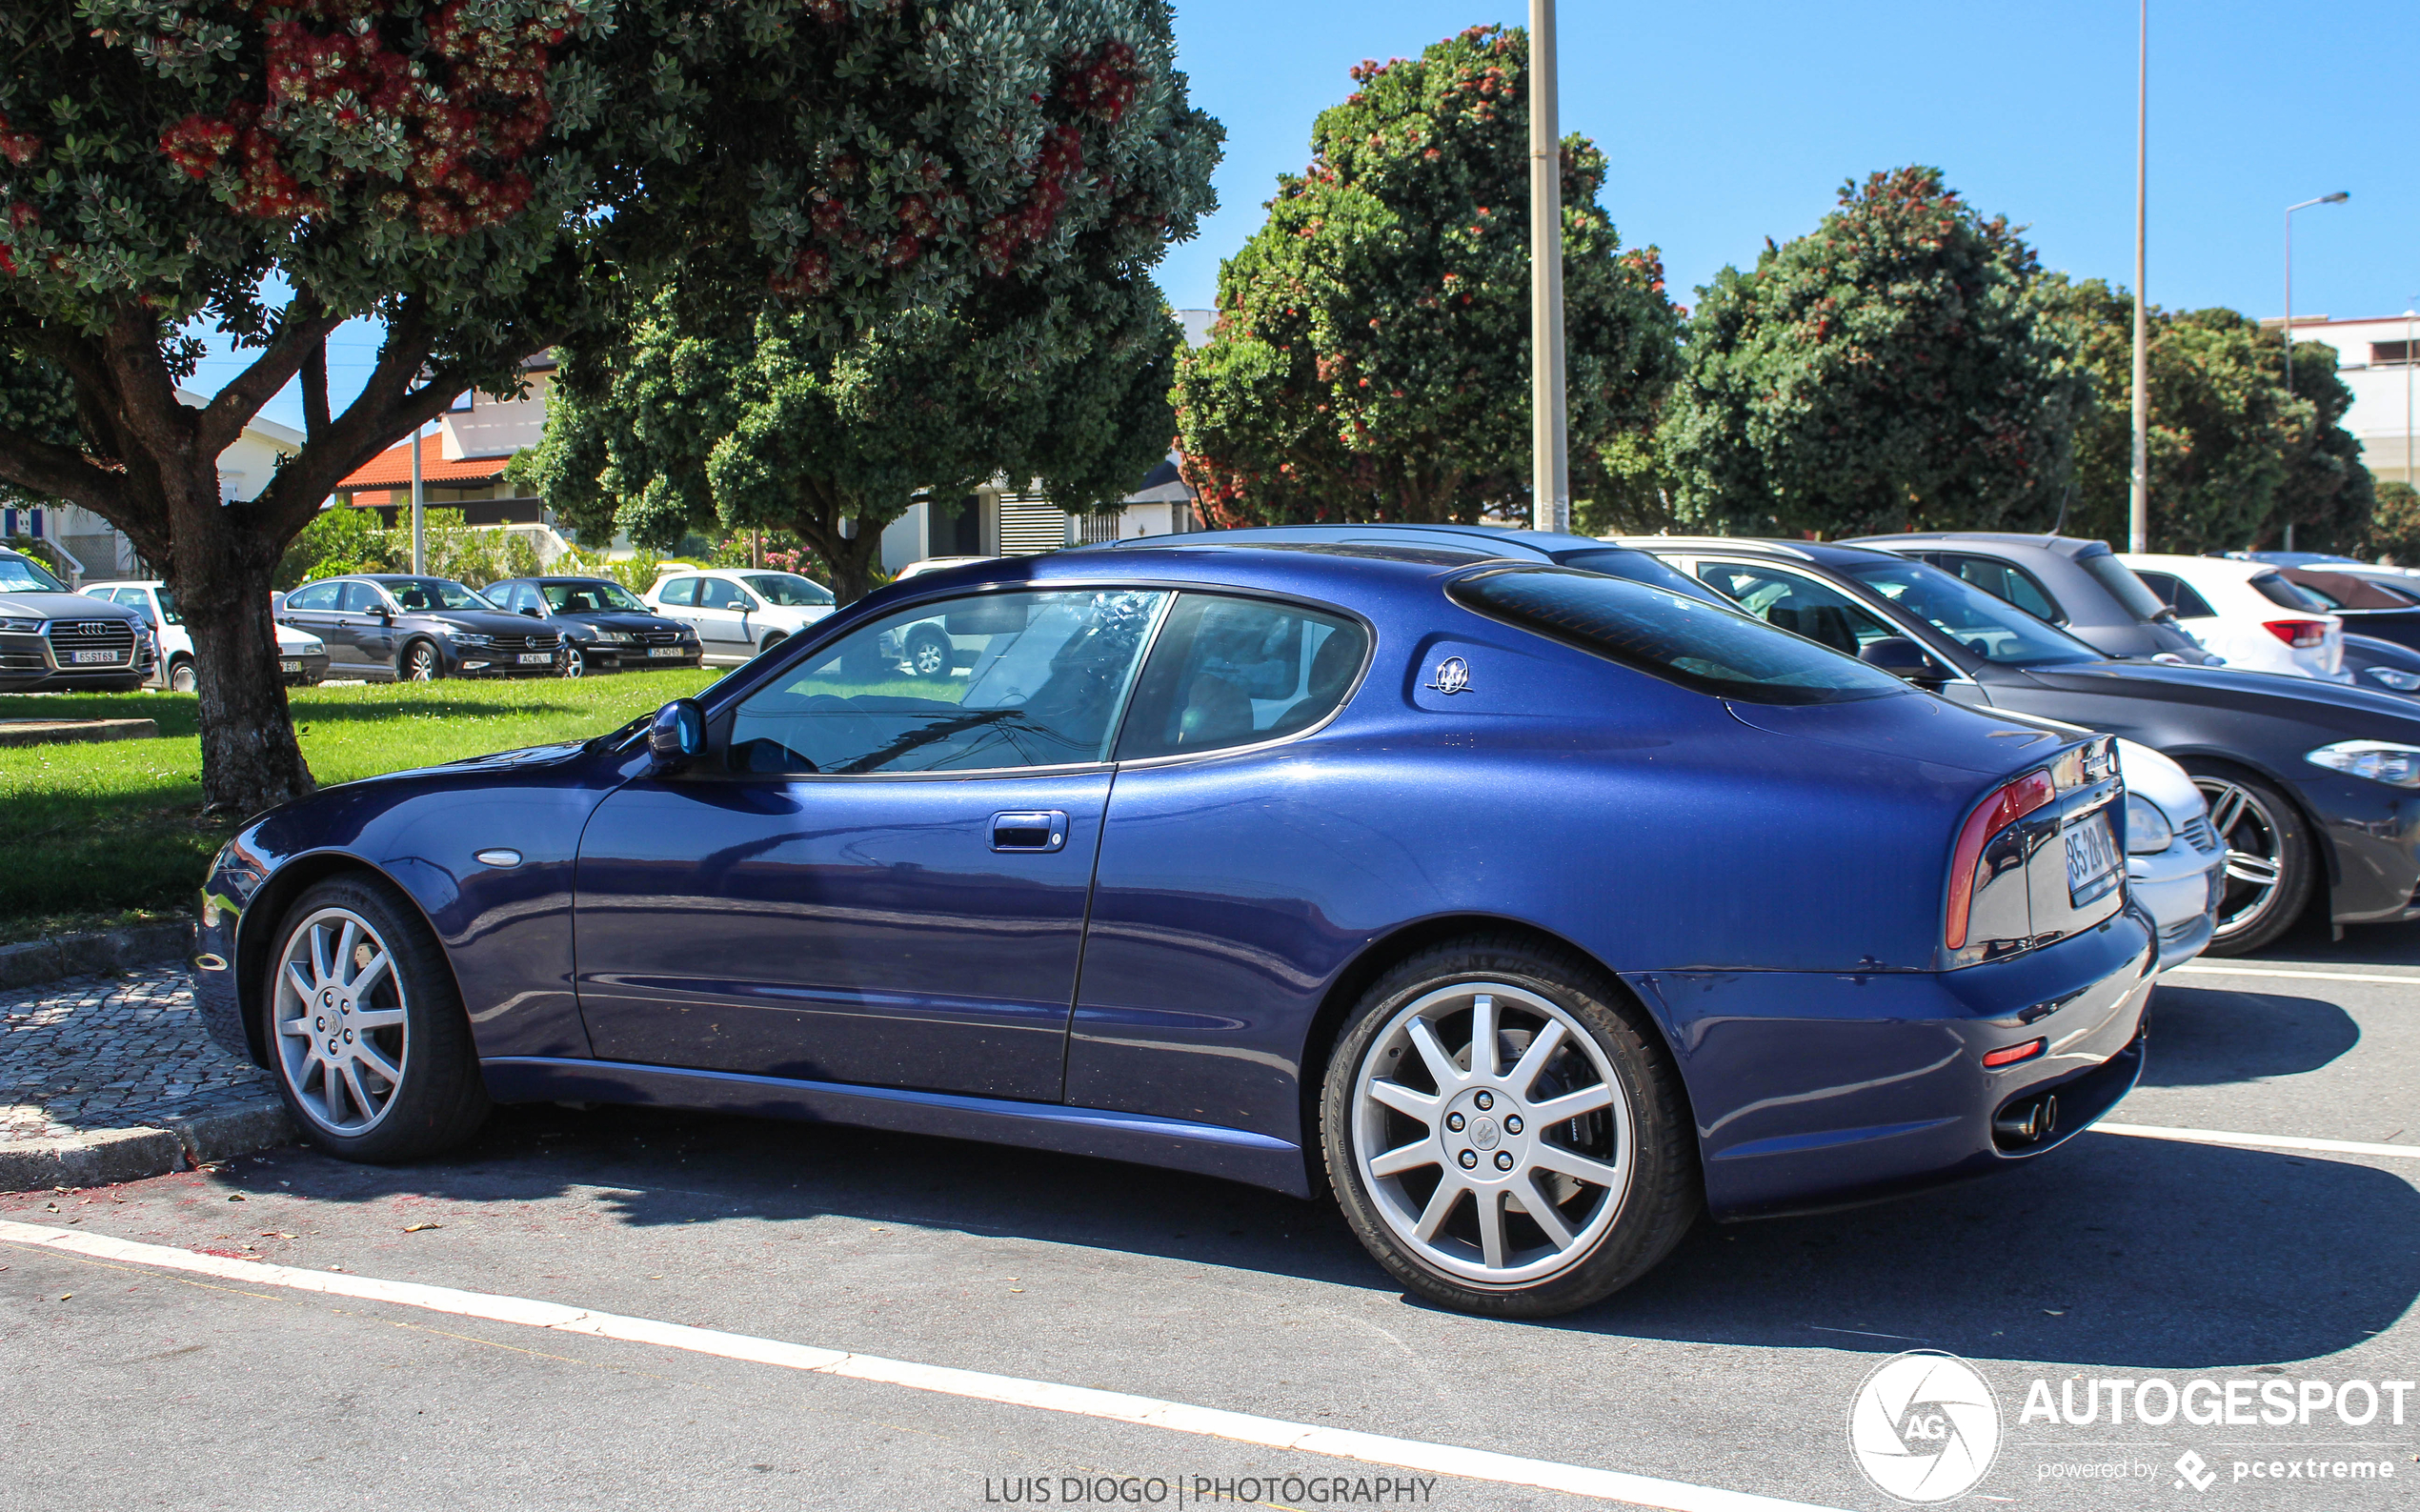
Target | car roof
(2073,547)
(1826,554)
(2209,568)
(1482,542)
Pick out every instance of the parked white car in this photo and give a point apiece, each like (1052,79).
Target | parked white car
(302,657)
(2247,612)
(739,612)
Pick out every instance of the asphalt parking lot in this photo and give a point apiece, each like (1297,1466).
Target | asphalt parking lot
(1732,1369)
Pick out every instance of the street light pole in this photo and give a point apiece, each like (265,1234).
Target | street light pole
(2336,198)
(2138,501)
(1550,463)
(419,563)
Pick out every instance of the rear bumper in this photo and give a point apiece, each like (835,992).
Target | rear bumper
(1819,1091)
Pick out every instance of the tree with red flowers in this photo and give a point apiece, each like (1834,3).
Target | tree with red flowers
(1371,356)
(489,178)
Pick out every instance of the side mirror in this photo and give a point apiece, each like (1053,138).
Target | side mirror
(382,612)
(1902,657)
(531,613)
(678,732)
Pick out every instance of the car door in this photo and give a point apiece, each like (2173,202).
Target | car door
(721,620)
(372,633)
(313,609)
(852,886)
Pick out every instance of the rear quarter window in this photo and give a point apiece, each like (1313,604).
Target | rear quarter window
(1670,635)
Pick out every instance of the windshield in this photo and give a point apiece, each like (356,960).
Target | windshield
(420,594)
(168,606)
(2123,586)
(588,596)
(788,590)
(1681,638)
(18,576)
(1990,628)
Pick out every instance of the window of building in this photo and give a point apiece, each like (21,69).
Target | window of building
(2389,354)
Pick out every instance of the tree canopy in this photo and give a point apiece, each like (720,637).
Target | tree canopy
(1901,367)
(1371,356)
(673,427)
(490,177)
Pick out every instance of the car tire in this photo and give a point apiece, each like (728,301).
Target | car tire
(420,663)
(770,641)
(181,676)
(929,653)
(1612,1170)
(2273,866)
(574,662)
(368,1041)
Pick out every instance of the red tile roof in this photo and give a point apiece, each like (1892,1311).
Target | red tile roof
(392,468)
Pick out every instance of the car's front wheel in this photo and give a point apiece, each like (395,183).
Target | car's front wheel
(1504,1132)
(422,662)
(929,653)
(2272,864)
(366,1028)
(574,662)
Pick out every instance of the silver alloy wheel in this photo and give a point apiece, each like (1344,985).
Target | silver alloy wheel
(339,1021)
(574,662)
(929,655)
(420,663)
(1492,1134)
(180,676)
(2255,852)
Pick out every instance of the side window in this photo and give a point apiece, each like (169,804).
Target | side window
(1228,672)
(360,598)
(315,596)
(1802,605)
(2177,594)
(680,591)
(1030,680)
(715,593)
(2003,581)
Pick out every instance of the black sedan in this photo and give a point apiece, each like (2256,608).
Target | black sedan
(393,627)
(2367,605)
(2314,785)
(609,628)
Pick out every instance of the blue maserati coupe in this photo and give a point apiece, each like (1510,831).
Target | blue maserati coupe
(1527,910)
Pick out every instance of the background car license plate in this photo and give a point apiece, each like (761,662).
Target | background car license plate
(663,650)
(289,666)
(531,658)
(2091,857)
(93,659)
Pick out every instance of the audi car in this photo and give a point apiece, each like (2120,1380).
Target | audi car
(393,626)
(1527,911)
(55,641)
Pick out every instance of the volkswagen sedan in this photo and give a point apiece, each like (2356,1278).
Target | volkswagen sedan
(1526,911)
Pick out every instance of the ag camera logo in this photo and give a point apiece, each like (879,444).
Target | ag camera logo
(1925,1428)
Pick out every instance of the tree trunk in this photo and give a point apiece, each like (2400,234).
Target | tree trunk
(853,564)
(221,574)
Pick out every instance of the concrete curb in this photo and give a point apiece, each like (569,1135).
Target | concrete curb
(55,958)
(130,1155)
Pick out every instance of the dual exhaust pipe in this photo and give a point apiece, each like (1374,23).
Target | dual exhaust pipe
(2026,1122)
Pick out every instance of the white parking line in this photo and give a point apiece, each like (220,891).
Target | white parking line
(2196,968)
(2258,1141)
(1115,1406)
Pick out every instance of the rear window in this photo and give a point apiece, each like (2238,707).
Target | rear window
(1679,638)
(2123,585)
(2290,595)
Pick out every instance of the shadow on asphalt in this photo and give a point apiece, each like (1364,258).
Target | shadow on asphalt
(2208,1037)
(2113,1251)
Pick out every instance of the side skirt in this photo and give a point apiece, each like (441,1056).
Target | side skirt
(1235,1155)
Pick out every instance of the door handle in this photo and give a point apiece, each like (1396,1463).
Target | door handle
(1030,830)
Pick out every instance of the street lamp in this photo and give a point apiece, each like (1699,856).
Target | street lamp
(2336,198)
(2138,489)
(1549,457)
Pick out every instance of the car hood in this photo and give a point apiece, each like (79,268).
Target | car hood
(477,622)
(618,619)
(1915,725)
(62,606)
(2333,706)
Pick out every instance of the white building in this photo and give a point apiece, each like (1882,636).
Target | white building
(2376,358)
(99,550)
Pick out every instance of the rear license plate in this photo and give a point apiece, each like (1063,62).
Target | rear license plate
(535,658)
(666,651)
(94,658)
(2092,858)
(289,666)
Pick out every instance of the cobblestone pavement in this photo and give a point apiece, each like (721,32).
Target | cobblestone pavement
(111,1053)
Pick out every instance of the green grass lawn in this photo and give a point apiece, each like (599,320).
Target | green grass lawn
(95,835)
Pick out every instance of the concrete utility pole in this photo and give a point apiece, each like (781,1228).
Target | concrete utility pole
(420,533)
(2336,198)
(2138,506)
(2411,359)
(1550,459)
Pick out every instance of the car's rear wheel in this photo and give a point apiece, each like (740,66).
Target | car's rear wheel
(422,662)
(366,1029)
(1505,1133)
(2272,864)
(181,676)
(929,653)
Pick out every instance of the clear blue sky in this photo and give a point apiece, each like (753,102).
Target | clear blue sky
(1726,125)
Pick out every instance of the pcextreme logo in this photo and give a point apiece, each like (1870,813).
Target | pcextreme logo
(1923,1428)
